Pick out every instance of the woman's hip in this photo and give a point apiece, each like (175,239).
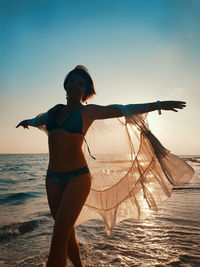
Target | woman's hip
(63,178)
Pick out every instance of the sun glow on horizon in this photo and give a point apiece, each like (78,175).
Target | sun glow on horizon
(135,53)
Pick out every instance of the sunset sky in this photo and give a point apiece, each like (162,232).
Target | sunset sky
(136,52)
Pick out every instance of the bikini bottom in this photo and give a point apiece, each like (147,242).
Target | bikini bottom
(63,178)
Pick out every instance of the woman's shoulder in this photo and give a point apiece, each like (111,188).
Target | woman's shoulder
(96,112)
(89,108)
(55,108)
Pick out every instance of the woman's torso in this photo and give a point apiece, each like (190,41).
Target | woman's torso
(66,132)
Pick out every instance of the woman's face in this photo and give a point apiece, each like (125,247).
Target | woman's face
(75,87)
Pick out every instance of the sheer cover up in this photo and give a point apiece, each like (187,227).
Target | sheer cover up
(139,176)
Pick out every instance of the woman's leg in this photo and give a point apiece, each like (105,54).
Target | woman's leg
(73,199)
(73,250)
(54,195)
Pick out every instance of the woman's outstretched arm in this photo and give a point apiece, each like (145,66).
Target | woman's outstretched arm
(39,120)
(97,112)
(35,122)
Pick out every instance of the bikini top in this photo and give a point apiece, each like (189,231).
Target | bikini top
(73,123)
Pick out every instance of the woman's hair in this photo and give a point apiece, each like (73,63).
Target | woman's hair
(89,91)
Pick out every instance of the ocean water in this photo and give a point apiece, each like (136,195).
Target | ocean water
(171,237)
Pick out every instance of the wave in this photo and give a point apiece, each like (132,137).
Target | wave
(190,224)
(17,198)
(186,188)
(193,159)
(7,181)
(14,229)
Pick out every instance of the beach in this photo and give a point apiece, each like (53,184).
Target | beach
(170,237)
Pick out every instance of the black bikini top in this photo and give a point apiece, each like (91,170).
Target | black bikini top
(73,123)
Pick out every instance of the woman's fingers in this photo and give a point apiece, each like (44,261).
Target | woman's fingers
(173,105)
(182,104)
(20,124)
(23,124)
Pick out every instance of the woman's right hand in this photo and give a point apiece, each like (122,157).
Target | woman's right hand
(172,105)
(23,124)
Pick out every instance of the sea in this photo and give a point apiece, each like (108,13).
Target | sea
(170,237)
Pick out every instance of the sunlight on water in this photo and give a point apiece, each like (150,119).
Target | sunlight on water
(170,237)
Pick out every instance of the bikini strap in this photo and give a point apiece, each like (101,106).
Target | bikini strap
(88,149)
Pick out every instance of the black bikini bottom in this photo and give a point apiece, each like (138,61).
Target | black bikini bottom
(63,178)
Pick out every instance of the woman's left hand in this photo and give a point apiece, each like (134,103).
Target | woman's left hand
(172,105)
(23,124)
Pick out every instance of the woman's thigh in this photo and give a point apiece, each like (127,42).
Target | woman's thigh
(73,199)
(54,196)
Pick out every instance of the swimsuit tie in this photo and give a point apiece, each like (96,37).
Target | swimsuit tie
(88,149)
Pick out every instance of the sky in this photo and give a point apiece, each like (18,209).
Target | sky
(137,51)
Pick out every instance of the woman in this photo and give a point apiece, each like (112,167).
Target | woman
(68,179)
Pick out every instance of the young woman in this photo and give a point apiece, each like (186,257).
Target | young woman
(68,179)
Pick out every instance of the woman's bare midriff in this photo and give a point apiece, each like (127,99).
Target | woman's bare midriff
(65,151)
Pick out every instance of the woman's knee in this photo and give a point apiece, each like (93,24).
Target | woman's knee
(72,237)
(61,235)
